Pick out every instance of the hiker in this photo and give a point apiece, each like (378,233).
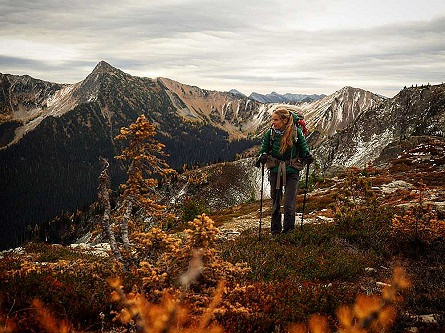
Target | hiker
(284,151)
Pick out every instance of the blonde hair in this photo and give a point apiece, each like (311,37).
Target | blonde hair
(288,136)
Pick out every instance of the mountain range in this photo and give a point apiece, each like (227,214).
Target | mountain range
(52,134)
(275,97)
(288,98)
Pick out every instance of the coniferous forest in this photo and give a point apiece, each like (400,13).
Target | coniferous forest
(44,176)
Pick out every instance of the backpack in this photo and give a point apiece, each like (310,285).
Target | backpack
(302,125)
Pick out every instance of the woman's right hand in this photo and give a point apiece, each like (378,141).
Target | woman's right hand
(261,160)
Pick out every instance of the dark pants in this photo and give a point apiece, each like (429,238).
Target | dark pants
(290,195)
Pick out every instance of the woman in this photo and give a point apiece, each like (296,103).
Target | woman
(284,150)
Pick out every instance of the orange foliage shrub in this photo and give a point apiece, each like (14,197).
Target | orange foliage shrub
(169,316)
(47,321)
(164,258)
(419,223)
(368,314)
(75,285)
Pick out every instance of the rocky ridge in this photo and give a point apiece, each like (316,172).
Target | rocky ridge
(412,112)
(231,112)
(336,111)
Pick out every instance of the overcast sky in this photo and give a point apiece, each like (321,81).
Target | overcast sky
(297,46)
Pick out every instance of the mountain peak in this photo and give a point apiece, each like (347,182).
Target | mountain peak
(236,93)
(104,67)
(348,88)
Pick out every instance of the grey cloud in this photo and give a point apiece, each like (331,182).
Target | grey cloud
(225,40)
(261,78)
(150,21)
(67,72)
(17,62)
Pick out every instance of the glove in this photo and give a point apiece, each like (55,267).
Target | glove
(309,159)
(261,160)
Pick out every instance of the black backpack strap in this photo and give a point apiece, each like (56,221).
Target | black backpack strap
(271,138)
(296,133)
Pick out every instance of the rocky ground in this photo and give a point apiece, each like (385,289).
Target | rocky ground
(416,176)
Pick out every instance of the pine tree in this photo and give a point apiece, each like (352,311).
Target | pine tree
(146,160)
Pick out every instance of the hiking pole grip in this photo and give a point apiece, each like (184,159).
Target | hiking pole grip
(261,200)
(305,192)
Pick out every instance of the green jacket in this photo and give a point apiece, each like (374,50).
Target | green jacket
(299,149)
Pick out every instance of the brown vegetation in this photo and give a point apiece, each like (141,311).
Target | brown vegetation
(323,277)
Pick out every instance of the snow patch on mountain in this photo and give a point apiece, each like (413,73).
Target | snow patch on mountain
(62,101)
(366,151)
(336,111)
(259,118)
(55,106)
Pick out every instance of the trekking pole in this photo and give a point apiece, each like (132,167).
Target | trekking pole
(305,192)
(261,200)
